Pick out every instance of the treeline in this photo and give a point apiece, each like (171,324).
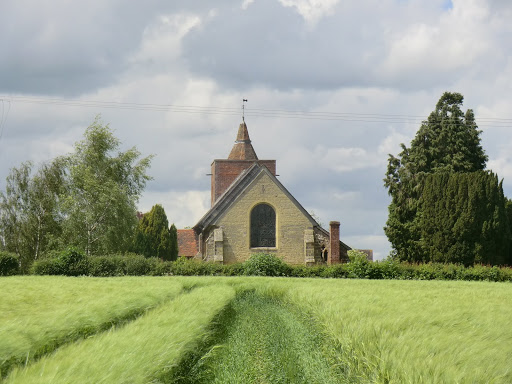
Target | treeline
(86,199)
(73,263)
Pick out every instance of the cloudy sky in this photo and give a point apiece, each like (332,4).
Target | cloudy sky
(333,87)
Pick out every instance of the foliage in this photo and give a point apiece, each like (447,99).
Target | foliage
(185,267)
(86,199)
(154,238)
(71,262)
(266,264)
(463,219)
(29,217)
(422,223)
(9,264)
(101,192)
(174,243)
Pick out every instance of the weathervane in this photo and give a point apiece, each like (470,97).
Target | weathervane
(243,109)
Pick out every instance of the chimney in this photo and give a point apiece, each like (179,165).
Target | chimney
(334,240)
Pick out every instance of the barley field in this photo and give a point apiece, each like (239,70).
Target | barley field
(253,330)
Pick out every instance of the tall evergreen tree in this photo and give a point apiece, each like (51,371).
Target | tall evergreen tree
(447,142)
(153,237)
(174,242)
(463,219)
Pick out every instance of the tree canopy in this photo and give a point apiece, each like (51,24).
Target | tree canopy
(30,222)
(85,199)
(428,196)
(154,237)
(101,192)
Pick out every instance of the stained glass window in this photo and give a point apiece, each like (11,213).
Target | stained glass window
(263,226)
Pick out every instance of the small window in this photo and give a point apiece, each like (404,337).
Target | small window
(263,226)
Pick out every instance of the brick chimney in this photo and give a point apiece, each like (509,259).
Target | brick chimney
(334,240)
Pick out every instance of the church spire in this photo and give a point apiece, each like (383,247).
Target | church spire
(242,150)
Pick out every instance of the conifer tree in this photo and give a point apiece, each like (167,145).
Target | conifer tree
(445,217)
(174,242)
(153,238)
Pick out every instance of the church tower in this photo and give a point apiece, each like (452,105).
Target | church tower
(241,157)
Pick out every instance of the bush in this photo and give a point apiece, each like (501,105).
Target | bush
(9,264)
(185,267)
(236,269)
(265,264)
(359,267)
(104,266)
(70,262)
(73,262)
(137,265)
(47,267)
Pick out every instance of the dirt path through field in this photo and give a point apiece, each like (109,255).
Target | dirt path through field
(261,340)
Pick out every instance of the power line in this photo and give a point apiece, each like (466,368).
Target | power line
(256,112)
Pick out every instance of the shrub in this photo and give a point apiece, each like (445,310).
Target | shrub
(70,262)
(236,269)
(265,264)
(47,267)
(104,266)
(9,264)
(359,266)
(73,262)
(137,265)
(336,271)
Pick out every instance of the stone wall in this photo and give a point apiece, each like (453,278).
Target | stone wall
(291,224)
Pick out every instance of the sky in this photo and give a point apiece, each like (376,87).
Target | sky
(333,87)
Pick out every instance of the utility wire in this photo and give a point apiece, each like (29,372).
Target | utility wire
(256,112)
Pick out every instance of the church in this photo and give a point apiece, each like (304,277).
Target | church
(252,212)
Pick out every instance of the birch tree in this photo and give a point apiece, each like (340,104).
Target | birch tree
(104,185)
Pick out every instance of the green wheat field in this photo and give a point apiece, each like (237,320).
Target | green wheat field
(253,330)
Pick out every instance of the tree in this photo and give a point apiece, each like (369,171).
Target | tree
(153,236)
(30,222)
(447,142)
(463,219)
(101,192)
(174,243)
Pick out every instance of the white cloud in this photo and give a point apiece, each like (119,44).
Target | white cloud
(457,40)
(312,10)
(161,41)
(246,3)
(347,159)
(184,209)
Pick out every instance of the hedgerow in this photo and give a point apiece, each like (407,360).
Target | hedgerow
(72,263)
(9,264)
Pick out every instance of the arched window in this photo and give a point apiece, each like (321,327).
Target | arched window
(263,226)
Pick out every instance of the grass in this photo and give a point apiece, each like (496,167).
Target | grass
(138,352)
(283,330)
(262,340)
(414,331)
(38,314)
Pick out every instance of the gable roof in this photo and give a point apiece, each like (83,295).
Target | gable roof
(239,185)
